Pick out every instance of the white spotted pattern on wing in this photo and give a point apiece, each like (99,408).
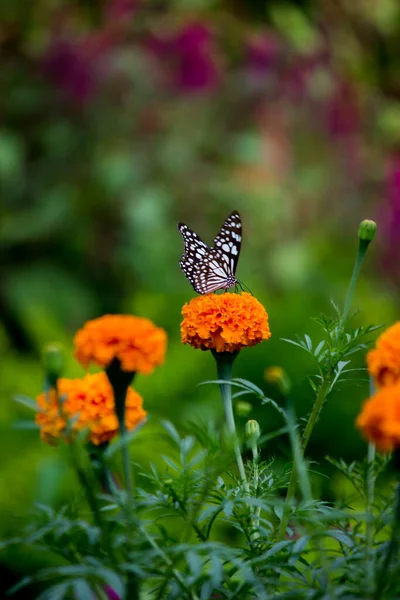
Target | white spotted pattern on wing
(212,268)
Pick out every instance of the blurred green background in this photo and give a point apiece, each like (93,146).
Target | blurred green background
(120,118)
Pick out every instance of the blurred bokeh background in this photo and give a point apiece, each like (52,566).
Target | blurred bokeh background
(120,118)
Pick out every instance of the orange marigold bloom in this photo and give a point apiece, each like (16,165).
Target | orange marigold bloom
(379,419)
(88,403)
(224,322)
(384,360)
(135,341)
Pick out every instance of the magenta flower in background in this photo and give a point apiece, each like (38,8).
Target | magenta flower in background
(343,114)
(390,216)
(189,55)
(68,68)
(262,52)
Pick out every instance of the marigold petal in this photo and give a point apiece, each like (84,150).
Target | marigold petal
(135,341)
(89,402)
(379,419)
(384,360)
(224,322)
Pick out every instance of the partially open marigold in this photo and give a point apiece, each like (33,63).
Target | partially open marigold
(88,403)
(379,419)
(224,322)
(384,360)
(135,341)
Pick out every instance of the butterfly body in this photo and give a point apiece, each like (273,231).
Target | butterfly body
(212,268)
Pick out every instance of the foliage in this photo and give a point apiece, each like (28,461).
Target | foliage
(169,538)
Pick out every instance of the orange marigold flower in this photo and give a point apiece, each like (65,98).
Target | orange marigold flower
(135,341)
(384,360)
(224,322)
(379,419)
(87,403)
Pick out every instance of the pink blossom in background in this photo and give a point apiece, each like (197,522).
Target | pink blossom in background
(68,68)
(390,216)
(343,123)
(261,55)
(189,57)
(296,75)
(343,113)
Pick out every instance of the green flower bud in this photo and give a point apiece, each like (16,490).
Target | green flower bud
(367,230)
(243,409)
(252,430)
(53,361)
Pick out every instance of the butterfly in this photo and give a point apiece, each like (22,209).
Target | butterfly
(211,268)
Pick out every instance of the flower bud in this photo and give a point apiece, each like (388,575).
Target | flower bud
(367,230)
(276,376)
(53,361)
(243,409)
(252,430)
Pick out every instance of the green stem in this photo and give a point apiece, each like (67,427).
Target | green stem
(312,419)
(369,510)
(257,510)
(87,486)
(361,251)
(316,411)
(120,381)
(224,362)
(393,546)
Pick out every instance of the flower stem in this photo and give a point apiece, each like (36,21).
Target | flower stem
(316,411)
(120,381)
(361,252)
(257,509)
(369,510)
(87,485)
(224,362)
(393,546)
(313,418)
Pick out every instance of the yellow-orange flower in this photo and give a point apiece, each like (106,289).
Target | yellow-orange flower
(384,360)
(379,419)
(135,341)
(224,322)
(86,403)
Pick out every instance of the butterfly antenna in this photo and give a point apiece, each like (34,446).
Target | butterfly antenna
(244,287)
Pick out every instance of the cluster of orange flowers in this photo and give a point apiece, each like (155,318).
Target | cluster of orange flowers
(225,322)
(379,419)
(88,403)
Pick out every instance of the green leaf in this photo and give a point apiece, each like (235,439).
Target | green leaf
(341,537)
(122,441)
(171,463)
(194,562)
(25,425)
(275,549)
(249,385)
(26,401)
(171,430)
(82,590)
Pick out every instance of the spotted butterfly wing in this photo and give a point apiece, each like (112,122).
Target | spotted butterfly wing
(194,251)
(211,269)
(228,241)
